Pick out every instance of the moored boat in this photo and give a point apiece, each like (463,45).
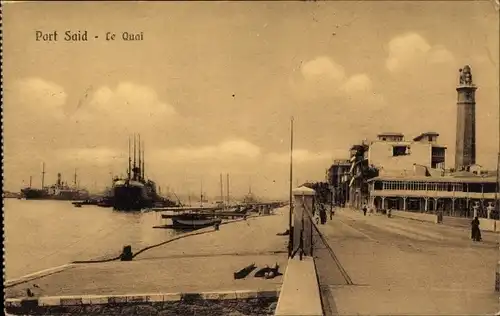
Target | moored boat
(58,191)
(193,220)
(135,192)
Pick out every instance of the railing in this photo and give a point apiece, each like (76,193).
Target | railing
(303,227)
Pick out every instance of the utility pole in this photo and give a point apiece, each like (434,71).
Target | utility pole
(290,229)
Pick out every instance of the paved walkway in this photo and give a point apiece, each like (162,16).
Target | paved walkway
(200,263)
(399,266)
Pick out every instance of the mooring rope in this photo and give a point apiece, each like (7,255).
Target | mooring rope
(155,245)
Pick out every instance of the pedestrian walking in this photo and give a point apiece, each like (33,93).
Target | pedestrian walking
(475,231)
(322,214)
(364,210)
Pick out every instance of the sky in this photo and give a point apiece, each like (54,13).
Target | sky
(212,86)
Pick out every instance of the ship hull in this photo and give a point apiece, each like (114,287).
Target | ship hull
(34,194)
(184,221)
(130,198)
(37,194)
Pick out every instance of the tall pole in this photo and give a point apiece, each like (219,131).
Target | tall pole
(75,179)
(497,207)
(43,174)
(143,167)
(134,151)
(31,178)
(140,158)
(129,158)
(227,184)
(221,190)
(201,193)
(291,197)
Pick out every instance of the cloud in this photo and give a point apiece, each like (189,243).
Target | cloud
(36,96)
(323,78)
(100,156)
(126,104)
(299,156)
(227,150)
(358,83)
(412,50)
(322,67)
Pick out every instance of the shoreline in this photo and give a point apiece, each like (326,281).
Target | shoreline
(46,272)
(188,276)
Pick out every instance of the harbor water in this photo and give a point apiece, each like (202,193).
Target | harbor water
(43,234)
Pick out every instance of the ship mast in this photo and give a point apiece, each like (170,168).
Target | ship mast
(221,191)
(43,174)
(250,186)
(74,181)
(135,165)
(201,193)
(140,158)
(143,168)
(227,179)
(129,159)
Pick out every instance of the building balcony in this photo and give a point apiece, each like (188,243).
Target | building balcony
(433,194)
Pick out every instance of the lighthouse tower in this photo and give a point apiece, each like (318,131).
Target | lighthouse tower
(465,150)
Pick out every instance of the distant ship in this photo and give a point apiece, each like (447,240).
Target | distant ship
(135,192)
(58,191)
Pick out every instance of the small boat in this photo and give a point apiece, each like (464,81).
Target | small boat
(194,220)
(241,274)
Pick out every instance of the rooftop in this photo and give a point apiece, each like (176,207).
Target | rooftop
(419,137)
(341,161)
(391,134)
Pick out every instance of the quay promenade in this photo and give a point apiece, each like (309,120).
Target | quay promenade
(199,266)
(399,266)
(363,265)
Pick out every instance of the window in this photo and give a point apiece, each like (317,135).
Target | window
(400,151)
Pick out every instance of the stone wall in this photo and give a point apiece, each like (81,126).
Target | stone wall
(186,307)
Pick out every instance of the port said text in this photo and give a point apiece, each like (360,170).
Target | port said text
(84,36)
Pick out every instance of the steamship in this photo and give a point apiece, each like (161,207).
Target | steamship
(58,191)
(135,192)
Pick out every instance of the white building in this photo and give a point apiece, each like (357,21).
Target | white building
(393,155)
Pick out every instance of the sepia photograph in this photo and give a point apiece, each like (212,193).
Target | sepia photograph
(242,158)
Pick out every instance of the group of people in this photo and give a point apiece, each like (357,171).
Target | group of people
(475,231)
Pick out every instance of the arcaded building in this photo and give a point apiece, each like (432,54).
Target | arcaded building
(409,174)
(455,194)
